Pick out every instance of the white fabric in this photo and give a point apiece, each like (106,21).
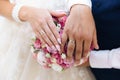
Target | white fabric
(83,2)
(105,59)
(15,12)
(16,62)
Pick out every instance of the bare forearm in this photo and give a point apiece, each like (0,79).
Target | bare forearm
(6,8)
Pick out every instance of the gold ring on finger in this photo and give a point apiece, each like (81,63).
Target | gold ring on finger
(72,41)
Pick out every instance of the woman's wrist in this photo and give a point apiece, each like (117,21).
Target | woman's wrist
(15,12)
(20,13)
(23,13)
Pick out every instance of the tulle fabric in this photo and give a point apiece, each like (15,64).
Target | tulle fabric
(16,61)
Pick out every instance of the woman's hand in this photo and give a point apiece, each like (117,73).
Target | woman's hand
(43,25)
(79,30)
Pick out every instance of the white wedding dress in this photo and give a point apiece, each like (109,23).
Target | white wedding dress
(16,61)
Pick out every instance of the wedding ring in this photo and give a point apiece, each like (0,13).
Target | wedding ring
(72,41)
(42,32)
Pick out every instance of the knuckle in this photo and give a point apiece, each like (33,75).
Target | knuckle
(88,37)
(76,34)
(73,34)
(41,21)
(81,35)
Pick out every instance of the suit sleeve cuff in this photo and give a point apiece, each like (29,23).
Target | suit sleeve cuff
(99,59)
(84,2)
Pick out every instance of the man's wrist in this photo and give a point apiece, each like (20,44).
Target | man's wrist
(80,9)
(79,6)
(99,59)
(71,3)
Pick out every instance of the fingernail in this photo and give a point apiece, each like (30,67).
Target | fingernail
(48,48)
(59,40)
(97,47)
(81,61)
(88,54)
(58,47)
(43,46)
(53,48)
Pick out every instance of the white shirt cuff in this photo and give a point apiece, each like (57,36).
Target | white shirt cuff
(100,59)
(84,2)
(114,55)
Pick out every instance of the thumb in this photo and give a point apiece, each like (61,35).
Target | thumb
(58,13)
(95,43)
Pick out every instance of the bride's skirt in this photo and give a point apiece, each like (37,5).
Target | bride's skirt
(17,63)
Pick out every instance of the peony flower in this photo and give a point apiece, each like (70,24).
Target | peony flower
(41,58)
(62,21)
(56,67)
(37,44)
(63,56)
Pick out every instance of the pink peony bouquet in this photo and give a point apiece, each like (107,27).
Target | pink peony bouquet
(49,58)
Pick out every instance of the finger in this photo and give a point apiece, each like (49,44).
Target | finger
(54,30)
(57,13)
(51,34)
(78,51)
(64,41)
(86,48)
(46,39)
(70,49)
(35,31)
(39,36)
(43,30)
(83,63)
(95,42)
(43,45)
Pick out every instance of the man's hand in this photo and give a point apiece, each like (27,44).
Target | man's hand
(85,64)
(79,30)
